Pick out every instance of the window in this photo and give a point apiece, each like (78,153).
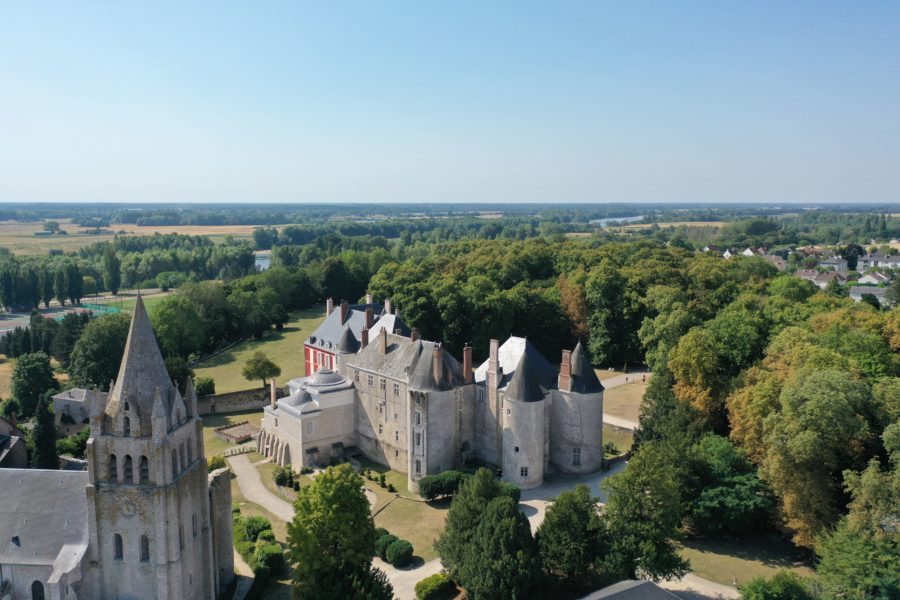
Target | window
(396,436)
(370,380)
(113,468)
(382,383)
(508,411)
(418,466)
(126,427)
(396,389)
(396,417)
(145,549)
(194,525)
(181,536)
(117,547)
(380,429)
(310,427)
(174,464)
(37,591)
(576,457)
(182,456)
(396,454)
(145,470)
(129,475)
(479,394)
(418,418)
(523,472)
(418,439)
(516,448)
(357,376)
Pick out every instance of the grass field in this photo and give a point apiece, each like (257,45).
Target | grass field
(6,369)
(724,561)
(284,348)
(716,224)
(625,400)
(127,303)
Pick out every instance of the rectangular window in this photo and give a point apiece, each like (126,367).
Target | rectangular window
(509,411)
(396,389)
(382,383)
(396,417)
(370,380)
(418,439)
(396,436)
(479,393)
(380,429)
(418,466)
(576,457)
(310,427)
(523,471)
(396,454)
(418,418)
(517,449)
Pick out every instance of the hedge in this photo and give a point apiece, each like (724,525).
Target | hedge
(261,577)
(436,587)
(399,553)
(272,556)
(511,490)
(380,531)
(442,484)
(382,543)
(256,525)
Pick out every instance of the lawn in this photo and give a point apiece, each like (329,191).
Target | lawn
(267,473)
(126,303)
(622,438)
(744,559)
(214,445)
(625,400)
(6,370)
(284,348)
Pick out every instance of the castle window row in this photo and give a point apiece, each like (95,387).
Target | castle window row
(143,471)
(119,548)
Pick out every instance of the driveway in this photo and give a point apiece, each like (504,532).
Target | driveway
(252,488)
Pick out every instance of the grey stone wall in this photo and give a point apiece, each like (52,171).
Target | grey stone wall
(221,535)
(252,399)
(576,422)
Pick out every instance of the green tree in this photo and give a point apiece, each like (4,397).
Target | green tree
(44,437)
(892,296)
(31,378)
(357,583)
(572,536)
(502,559)
(98,353)
(259,367)
(784,585)
(177,326)
(10,409)
(51,226)
(332,531)
(112,275)
(643,515)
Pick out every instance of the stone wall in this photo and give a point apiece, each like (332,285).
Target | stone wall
(253,399)
(220,517)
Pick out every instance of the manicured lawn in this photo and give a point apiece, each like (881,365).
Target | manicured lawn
(214,445)
(127,303)
(607,373)
(418,522)
(622,438)
(284,348)
(267,473)
(625,400)
(744,559)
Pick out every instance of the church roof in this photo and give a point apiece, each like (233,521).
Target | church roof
(42,513)
(142,371)
(348,342)
(532,377)
(584,379)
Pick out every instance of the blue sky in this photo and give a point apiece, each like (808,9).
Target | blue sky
(450,101)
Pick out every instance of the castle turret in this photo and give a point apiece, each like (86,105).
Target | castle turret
(576,431)
(525,421)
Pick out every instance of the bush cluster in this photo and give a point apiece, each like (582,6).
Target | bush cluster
(392,549)
(215,462)
(379,478)
(255,542)
(442,484)
(436,587)
(285,477)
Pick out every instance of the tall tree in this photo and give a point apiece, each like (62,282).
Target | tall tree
(44,437)
(572,536)
(31,378)
(96,356)
(177,326)
(46,280)
(112,275)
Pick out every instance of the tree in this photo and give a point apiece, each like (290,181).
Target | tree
(112,275)
(332,531)
(572,536)
(260,367)
(10,409)
(359,583)
(31,378)
(502,560)
(177,326)
(643,514)
(204,386)
(98,353)
(893,294)
(51,226)
(784,585)
(44,437)
(179,370)
(871,300)
(70,329)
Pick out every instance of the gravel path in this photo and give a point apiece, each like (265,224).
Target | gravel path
(692,587)
(253,489)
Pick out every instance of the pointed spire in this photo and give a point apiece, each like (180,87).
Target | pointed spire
(584,379)
(159,410)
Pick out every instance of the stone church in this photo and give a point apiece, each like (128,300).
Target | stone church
(382,392)
(145,521)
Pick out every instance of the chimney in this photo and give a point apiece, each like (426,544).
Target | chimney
(368,298)
(565,371)
(272,392)
(437,364)
(364,338)
(494,357)
(383,338)
(345,311)
(329,306)
(370,314)
(387,305)
(467,364)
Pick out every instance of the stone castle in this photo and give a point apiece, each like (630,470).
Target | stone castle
(144,521)
(374,388)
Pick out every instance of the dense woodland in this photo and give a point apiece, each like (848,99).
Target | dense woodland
(773,406)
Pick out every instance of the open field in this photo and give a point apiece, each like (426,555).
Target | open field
(622,438)
(624,400)
(6,369)
(284,348)
(214,445)
(743,560)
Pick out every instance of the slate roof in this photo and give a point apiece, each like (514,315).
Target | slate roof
(533,377)
(390,322)
(631,590)
(328,335)
(142,371)
(509,356)
(348,343)
(8,443)
(399,361)
(46,511)
(584,378)
(422,378)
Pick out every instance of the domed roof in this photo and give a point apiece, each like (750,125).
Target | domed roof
(325,376)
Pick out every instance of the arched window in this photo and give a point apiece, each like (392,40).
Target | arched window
(145,549)
(126,427)
(145,470)
(129,472)
(117,544)
(174,464)
(37,591)
(194,524)
(113,468)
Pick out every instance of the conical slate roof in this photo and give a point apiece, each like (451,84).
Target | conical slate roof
(422,378)
(142,371)
(348,342)
(584,379)
(532,378)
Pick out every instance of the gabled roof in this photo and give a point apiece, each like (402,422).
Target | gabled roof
(390,322)
(584,378)
(327,336)
(142,371)
(398,363)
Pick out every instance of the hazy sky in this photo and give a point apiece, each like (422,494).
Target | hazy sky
(450,101)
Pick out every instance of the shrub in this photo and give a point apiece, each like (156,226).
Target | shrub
(380,531)
(271,556)
(304,470)
(204,386)
(399,553)
(436,587)
(256,525)
(442,484)
(391,487)
(296,486)
(382,543)
(510,490)
(381,479)
(261,577)
(216,462)
(610,448)
(283,476)
(266,535)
